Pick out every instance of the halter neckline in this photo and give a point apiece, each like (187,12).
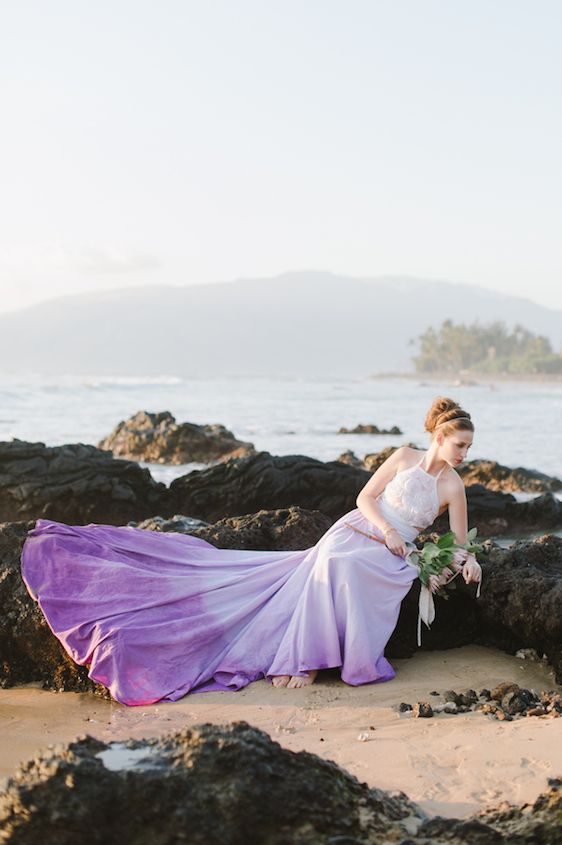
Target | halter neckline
(419,464)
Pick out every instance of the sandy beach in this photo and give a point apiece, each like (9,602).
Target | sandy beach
(452,765)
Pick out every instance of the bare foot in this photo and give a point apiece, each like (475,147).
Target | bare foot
(280,680)
(298,681)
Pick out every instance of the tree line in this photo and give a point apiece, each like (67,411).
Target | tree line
(491,348)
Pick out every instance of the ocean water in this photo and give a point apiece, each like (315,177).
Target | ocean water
(517,423)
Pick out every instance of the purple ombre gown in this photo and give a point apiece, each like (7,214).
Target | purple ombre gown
(157,615)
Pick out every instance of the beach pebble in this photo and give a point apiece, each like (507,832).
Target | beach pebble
(502,689)
(485,694)
(527,654)
(467,697)
(503,717)
(518,701)
(434,692)
(536,711)
(404,707)
(364,736)
(552,700)
(450,707)
(423,710)
(487,708)
(451,695)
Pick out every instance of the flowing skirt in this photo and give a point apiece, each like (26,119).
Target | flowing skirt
(157,615)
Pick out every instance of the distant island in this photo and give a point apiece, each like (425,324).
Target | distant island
(490,349)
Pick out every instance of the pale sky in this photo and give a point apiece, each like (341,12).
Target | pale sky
(180,142)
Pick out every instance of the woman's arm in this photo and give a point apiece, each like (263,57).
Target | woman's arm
(458,522)
(458,515)
(367,504)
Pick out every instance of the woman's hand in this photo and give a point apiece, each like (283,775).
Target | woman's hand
(395,543)
(472,571)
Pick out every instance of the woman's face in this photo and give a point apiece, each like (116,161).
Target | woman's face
(454,447)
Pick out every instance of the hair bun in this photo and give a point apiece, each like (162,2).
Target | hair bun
(443,409)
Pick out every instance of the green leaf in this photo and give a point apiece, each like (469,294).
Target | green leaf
(446,541)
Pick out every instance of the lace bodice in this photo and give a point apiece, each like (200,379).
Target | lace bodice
(412,495)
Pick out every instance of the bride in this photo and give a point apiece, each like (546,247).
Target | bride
(157,615)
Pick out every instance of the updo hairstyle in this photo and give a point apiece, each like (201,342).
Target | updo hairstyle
(447,415)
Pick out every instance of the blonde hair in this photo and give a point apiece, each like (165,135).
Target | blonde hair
(446,414)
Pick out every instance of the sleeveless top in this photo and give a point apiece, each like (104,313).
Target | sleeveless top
(410,501)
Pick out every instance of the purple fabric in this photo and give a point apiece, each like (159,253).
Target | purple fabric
(157,615)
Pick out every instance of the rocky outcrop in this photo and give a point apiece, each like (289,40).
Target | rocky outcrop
(521,603)
(232,783)
(267,481)
(495,476)
(350,458)
(497,513)
(370,462)
(159,439)
(177,523)
(209,784)
(79,484)
(369,428)
(286,529)
(75,483)
(374,460)
(490,474)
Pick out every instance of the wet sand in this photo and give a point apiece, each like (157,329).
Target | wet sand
(452,765)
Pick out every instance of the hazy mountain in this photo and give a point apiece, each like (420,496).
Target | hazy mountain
(300,322)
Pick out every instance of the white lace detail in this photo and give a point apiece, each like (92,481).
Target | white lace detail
(412,494)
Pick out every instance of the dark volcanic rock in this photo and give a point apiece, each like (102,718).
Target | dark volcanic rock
(374,460)
(498,513)
(75,484)
(521,601)
(495,476)
(289,528)
(245,485)
(217,784)
(264,481)
(178,524)
(538,823)
(28,649)
(349,457)
(159,439)
(423,710)
(206,785)
(369,428)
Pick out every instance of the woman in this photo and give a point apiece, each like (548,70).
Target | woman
(156,616)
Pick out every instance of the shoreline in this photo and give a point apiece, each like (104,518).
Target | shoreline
(469,379)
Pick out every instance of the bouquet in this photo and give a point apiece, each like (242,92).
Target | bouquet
(431,561)
(435,557)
